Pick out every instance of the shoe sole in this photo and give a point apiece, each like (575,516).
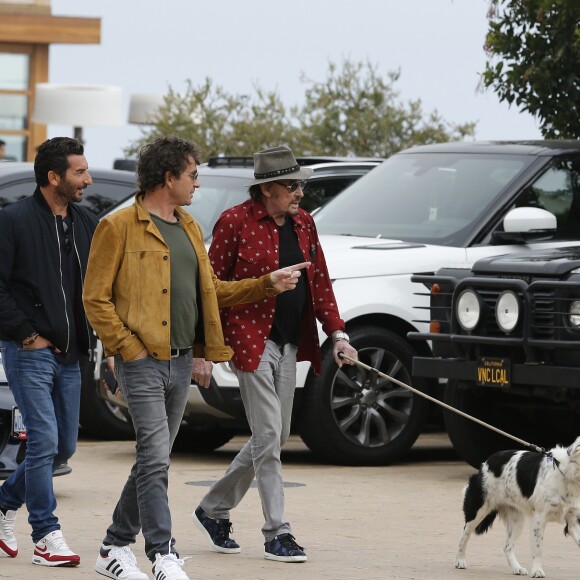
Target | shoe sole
(105,572)
(213,546)
(288,559)
(56,563)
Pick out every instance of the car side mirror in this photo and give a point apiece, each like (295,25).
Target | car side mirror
(523,224)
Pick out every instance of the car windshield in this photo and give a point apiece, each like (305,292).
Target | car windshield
(215,195)
(421,197)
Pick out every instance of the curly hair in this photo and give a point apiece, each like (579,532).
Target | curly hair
(164,154)
(52,155)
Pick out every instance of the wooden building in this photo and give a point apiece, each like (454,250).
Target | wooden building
(27,29)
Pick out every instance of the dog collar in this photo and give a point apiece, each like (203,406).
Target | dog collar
(555,463)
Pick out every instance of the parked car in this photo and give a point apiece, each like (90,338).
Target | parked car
(506,335)
(109,188)
(330,176)
(224,181)
(12,445)
(422,209)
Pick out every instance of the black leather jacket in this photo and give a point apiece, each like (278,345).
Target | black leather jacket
(32,296)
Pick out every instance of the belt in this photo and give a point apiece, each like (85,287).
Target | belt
(175,352)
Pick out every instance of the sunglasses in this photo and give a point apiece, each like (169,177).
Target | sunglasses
(193,176)
(293,186)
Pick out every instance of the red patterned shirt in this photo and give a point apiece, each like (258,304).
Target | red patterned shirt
(245,245)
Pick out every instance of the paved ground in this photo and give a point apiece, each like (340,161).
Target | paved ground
(399,522)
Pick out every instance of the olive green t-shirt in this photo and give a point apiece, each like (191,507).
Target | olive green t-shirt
(183,293)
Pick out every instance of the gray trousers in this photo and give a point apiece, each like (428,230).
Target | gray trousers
(156,393)
(268,394)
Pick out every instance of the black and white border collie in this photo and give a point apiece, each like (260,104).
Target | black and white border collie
(524,484)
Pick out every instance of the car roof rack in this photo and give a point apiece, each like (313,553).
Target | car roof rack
(231,161)
(245,161)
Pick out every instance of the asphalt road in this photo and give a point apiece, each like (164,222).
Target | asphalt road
(396,522)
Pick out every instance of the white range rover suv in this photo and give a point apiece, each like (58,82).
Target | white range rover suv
(420,210)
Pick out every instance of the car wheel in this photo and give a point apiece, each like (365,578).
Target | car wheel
(473,442)
(100,418)
(202,439)
(356,417)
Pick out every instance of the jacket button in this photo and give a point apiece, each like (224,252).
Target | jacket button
(166,257)
(164,323)
(164,290)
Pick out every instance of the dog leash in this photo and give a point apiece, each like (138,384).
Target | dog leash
(532,446)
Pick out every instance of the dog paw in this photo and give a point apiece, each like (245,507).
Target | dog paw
(460,564)
(539,573)
(520,571)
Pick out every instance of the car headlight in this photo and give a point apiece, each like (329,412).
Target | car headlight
(507,311)
(468,310)
(574,314)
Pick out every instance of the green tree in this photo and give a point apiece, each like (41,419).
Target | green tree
(219,122)
(534,61)
(358,112)
(354,112)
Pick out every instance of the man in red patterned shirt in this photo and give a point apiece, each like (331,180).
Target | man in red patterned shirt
(268,232)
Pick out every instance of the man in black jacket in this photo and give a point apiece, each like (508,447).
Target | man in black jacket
(44,241)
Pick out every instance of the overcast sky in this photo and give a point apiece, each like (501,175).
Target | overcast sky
(148,45)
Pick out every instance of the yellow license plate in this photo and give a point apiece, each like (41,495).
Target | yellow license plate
(493,372)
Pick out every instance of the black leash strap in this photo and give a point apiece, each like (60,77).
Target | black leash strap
(450,408)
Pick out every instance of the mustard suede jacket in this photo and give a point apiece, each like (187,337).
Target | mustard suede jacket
(127,288)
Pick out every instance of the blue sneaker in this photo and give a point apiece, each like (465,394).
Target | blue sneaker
(283,548)
(217,532)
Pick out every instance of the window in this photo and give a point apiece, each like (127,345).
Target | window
(558,191)
(15,102)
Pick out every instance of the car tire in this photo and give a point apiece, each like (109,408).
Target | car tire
(355,417)
(99,418)
(474,443)
(202,439)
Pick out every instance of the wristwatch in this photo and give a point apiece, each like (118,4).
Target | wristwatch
(340,335)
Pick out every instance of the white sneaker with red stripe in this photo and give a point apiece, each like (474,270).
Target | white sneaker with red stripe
(8,546)
(53,550)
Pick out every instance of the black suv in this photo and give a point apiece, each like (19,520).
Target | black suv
(506,334)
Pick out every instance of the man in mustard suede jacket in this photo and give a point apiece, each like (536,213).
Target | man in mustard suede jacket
(152,297)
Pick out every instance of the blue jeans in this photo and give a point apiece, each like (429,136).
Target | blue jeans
(268,395)
(156,393)
(48,396)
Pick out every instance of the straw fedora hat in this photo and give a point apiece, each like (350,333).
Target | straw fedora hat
(277,163)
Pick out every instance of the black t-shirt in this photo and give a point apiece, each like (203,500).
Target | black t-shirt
(71,281)
(288,317)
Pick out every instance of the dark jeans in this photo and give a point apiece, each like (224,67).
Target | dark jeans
(156,393)
(48,396)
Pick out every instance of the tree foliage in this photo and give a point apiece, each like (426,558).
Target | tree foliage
(357,112)
(534,61)
(220,122)
(354,112)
